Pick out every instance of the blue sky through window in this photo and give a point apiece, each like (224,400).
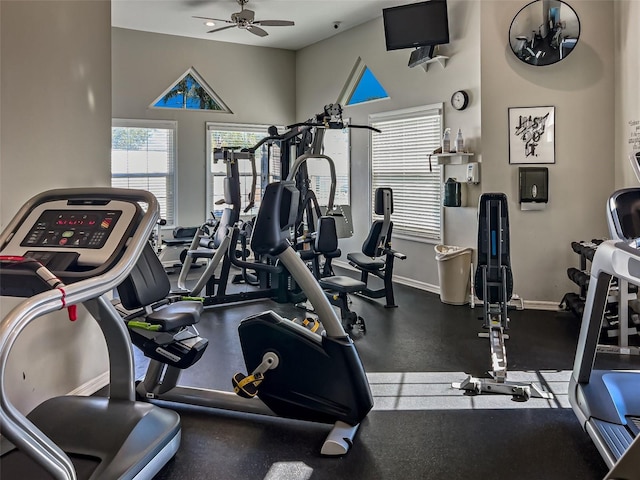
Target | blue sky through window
(367,89)
(190,92)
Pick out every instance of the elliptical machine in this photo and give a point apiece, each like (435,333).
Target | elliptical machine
(292,371)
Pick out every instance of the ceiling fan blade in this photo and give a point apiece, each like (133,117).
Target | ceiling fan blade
(257,31)
(274,23)
(221,28)
(213,19)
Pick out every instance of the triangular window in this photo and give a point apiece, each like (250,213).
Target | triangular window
(190,92)
(362,86)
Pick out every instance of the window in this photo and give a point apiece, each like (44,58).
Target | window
(400,160)
(190,92)
(143,157)
(361,87)
(243,136)
(336,145)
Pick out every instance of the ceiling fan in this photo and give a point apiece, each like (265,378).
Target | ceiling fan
(244,19)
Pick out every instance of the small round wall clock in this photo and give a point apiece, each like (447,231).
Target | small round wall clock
(460,100)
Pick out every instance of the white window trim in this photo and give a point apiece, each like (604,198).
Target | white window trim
(396,115)
(167,124)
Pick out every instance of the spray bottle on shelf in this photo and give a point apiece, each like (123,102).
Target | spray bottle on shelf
(446,141)
(459,142)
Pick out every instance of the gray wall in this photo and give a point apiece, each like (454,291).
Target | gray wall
(54,132)
(257,84)
(627,93)
(581,88)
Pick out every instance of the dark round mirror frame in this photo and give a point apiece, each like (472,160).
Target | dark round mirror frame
(550,41)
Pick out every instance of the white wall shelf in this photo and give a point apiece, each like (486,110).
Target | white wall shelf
(453,158)
(442,60)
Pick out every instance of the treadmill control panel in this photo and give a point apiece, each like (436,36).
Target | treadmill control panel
(90,232)
(72,229)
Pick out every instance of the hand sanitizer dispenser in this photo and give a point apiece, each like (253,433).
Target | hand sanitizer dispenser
(473,173)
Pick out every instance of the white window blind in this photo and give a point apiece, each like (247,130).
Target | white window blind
(143,157)
(400,160)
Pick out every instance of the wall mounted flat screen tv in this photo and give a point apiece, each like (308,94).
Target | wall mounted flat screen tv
(416,25)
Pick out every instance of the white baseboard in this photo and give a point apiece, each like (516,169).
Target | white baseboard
(427,287)
(92,386)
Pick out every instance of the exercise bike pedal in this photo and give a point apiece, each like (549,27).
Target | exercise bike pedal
(312,324)
(246,386)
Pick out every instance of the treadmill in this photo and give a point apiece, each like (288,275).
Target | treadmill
(63,248)
(607,402)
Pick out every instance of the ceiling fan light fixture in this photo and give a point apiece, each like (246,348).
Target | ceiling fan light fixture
(210,23)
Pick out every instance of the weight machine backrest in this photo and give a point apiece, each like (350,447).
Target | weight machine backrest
(383,203)
(493,247)
(326,235)
(277,214)
(380,231)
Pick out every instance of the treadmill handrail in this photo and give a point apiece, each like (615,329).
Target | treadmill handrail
(15,426)
(612,258)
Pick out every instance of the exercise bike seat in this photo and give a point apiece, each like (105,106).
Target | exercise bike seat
(148,284)
(176,315)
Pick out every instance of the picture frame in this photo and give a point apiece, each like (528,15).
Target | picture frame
(531,135)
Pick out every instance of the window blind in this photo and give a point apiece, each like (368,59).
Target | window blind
(400,160)
(143,157)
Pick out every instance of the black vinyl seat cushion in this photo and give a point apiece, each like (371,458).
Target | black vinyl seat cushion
(366,263)
(342,284)
(176,315)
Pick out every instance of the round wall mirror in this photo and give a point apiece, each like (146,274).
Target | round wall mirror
(544,32)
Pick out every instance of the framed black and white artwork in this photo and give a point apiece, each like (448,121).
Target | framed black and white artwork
(532,135)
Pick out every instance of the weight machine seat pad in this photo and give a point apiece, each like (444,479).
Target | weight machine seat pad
(495,291)
(307,255)
(365,262)
(171,242)
(342,284)
(201,253)
(176,315)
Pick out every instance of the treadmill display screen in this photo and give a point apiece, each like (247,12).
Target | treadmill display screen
(72,229)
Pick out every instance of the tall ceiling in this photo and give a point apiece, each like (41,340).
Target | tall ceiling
(314,19)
